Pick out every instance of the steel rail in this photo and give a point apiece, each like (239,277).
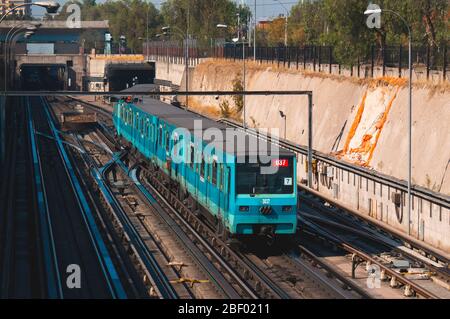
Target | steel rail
(339,242)
(439,199)
(109,270)
(159,280)
(199,227)
(333,272)
(53,273)
(213,273)
(249,264)
(443,259)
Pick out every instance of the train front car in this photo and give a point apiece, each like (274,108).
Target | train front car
(265,195)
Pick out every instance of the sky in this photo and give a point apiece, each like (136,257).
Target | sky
(264,8)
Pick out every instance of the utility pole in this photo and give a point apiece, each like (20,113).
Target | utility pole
(187,53)
(254,33)
(146,32)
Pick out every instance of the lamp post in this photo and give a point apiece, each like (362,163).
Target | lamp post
(179,33)
(236,41)
(254,33)
(146,32)
(9,38)
(285,24)
(284,116)
(410,110)
(50,6)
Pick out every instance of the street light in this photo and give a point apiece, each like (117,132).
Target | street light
(166,31)
(10,38)
(51,7)
(285,24)
(410,111)
(236,41)
(284,116)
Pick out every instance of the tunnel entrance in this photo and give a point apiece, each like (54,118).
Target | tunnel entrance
(123,76)
(43,77)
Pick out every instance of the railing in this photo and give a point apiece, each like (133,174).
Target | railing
(389,60)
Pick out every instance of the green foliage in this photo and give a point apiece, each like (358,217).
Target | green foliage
(129,18)
(225,109)
(238,99)
(342,24)
(126,17)
(199,18)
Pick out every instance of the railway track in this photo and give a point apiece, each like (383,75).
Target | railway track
(22,272)
(434,198)
(196,244)
(142,257)
(130,228)
(247,263)
(369,247)
(75,237)
(411,287)
(409,249)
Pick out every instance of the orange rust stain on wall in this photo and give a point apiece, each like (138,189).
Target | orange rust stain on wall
(380,126)
(367,146)
(355,124)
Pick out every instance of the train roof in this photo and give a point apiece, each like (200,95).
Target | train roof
(227,142)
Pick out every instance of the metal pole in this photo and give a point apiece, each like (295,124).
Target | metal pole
(310,139)
(410,134)
(243,84)
(254,35)
(187,55)
(286,31)
(146,41)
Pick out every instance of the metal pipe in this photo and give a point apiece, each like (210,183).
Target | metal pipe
(310,138)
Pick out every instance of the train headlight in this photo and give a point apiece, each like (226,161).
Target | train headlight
(287,209)
(244,208)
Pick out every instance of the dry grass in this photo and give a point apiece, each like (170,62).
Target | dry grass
(441,87)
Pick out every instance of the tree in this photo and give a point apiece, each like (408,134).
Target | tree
(200,18)
(126,17)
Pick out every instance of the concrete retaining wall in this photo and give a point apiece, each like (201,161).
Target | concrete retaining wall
(364,121)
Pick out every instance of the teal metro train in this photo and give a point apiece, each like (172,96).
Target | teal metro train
(220,171)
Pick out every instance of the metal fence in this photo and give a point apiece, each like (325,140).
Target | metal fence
(323,56)
(320,58)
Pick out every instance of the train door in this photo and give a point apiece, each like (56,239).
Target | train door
(202,178)
(214,192)
(174,153)
(197,164)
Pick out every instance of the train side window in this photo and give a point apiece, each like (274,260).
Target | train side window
(175,146)
(191,164)
(167,141)
(225,179)
(214,172)
(202,167)
(221,177)
(160,136)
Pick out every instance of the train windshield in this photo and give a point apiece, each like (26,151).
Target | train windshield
(251,179)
